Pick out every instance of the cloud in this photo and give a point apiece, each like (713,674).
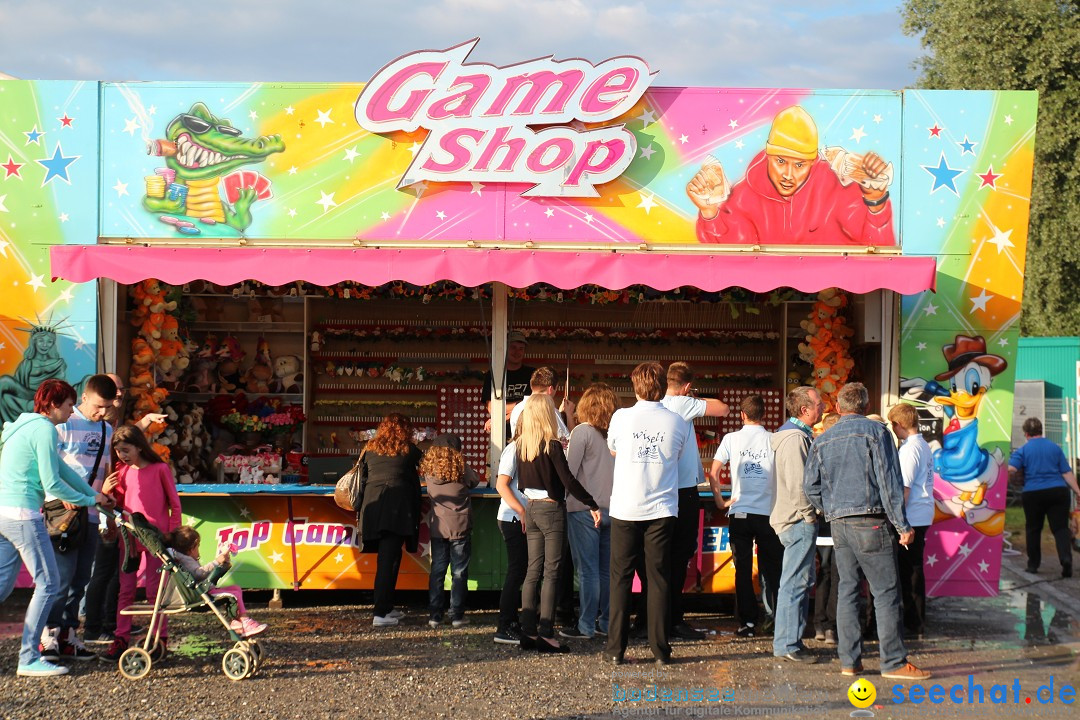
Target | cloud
(809,43)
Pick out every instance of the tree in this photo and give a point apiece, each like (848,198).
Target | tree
(1023,45)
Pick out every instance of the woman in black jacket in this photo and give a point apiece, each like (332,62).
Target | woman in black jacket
(389,515)
(544,478)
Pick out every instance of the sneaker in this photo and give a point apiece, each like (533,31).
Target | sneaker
(906,672)
(509,636)
(387,620)
(601,633)
(49,647)
(574,634)
(746,630)
(396,614)
(41,668)
(73,649)
(852,671)
(102,638)
(830,637)
(119,645)
(819,635)
(434,621)
(460,621)
(251,628)
(682,631)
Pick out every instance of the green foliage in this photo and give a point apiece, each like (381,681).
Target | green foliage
(1023,45)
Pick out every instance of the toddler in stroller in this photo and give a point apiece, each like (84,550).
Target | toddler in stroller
(181,591)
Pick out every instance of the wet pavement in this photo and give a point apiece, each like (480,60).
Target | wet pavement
(329,661)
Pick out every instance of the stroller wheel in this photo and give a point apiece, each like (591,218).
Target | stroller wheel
(159,651)
(237,664)
(135,663)
(257,652)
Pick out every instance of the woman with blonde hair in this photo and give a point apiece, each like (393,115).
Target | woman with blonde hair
(389,514)
(593,464)
(544,478)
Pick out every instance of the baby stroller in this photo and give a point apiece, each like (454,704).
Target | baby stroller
(241,661)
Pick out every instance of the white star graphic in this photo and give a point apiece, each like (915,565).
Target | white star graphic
(80,345)
(1008,119)
(292,170)
(1001,240)
(588,218)
(130,126)
(684,139)
(1003,342)
(984,566)
(120,188)
(647,202)
(877,119)
(733,124)
(549,212)
(941,222)
(351,154)
(66,295)
(64,217)
(441,215)
(289,110)
(384,216)
(276,557)
(647,151)
(930,309)
(414,148)
(921,346)
(292,212)
(324,117)
(36,282)
(245,512)
(339,558)
(152,110)
(979,303)
(964,550)
(420,187)
(647,118)
(327,201)
(3,208)
(477,188)
(739,144)
(253,115)
(3,346)
(3,248)
(931,560)
(857,134)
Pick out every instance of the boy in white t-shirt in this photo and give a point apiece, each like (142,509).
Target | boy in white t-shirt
(749,454)
(917,469)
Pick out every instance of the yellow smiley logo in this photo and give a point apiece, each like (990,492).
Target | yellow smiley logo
(862,693)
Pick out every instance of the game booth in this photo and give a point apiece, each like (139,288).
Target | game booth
(277,266)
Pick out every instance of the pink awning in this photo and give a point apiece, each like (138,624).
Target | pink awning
(128,264)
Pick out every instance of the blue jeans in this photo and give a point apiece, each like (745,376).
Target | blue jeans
(868,542)
(591,548)
(796,579)
(455,554)
(27,539)
(75,567)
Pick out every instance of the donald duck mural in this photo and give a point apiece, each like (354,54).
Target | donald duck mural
(961,463)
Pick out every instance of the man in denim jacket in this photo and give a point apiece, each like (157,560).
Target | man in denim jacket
(853,476)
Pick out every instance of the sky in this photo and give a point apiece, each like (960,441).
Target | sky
(714,43)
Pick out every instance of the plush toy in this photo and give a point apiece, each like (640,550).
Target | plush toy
(203,375)
(170,350)
(288,378)
(208,309)
(261,373)
(228,371)
(151,329)
(827,344)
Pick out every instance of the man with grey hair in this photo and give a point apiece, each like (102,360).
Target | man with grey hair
(853,476)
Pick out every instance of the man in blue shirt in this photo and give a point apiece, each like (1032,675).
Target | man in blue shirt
(1048,480)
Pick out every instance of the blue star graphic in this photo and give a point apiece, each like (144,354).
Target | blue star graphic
(967,146)
(944,176)
(57,166)
(33,136)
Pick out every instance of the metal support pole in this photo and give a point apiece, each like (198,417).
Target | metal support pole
(499,331)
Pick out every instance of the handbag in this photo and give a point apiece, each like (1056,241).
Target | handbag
(349,490)
(67,528)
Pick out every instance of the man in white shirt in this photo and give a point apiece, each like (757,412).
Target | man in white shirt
(753,488)
(680,400)
(917,469)
(542,382)
(649,443)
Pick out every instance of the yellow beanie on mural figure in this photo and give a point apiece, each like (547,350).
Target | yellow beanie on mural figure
(793,134)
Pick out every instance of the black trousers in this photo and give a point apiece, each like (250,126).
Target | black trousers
(387,566)
(103,591)
(517,562)
(913,582)
(744,533)
(828,581)
(631,543)
(683,546)
(1051,504)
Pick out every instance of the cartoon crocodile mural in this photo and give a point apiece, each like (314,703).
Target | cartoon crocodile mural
(202,149)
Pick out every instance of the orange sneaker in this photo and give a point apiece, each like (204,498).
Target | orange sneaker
(907,671)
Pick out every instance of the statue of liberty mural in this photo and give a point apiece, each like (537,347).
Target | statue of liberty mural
(41,361)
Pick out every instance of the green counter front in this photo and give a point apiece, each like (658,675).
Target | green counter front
(295,537)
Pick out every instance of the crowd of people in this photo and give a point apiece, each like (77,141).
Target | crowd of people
(829,505)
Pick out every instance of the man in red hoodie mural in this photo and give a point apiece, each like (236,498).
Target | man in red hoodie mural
(793,196)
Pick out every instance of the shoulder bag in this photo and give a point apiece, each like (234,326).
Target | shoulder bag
(349,491)
(67,528)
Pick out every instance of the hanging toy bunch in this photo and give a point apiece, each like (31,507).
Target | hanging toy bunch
(828,345)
